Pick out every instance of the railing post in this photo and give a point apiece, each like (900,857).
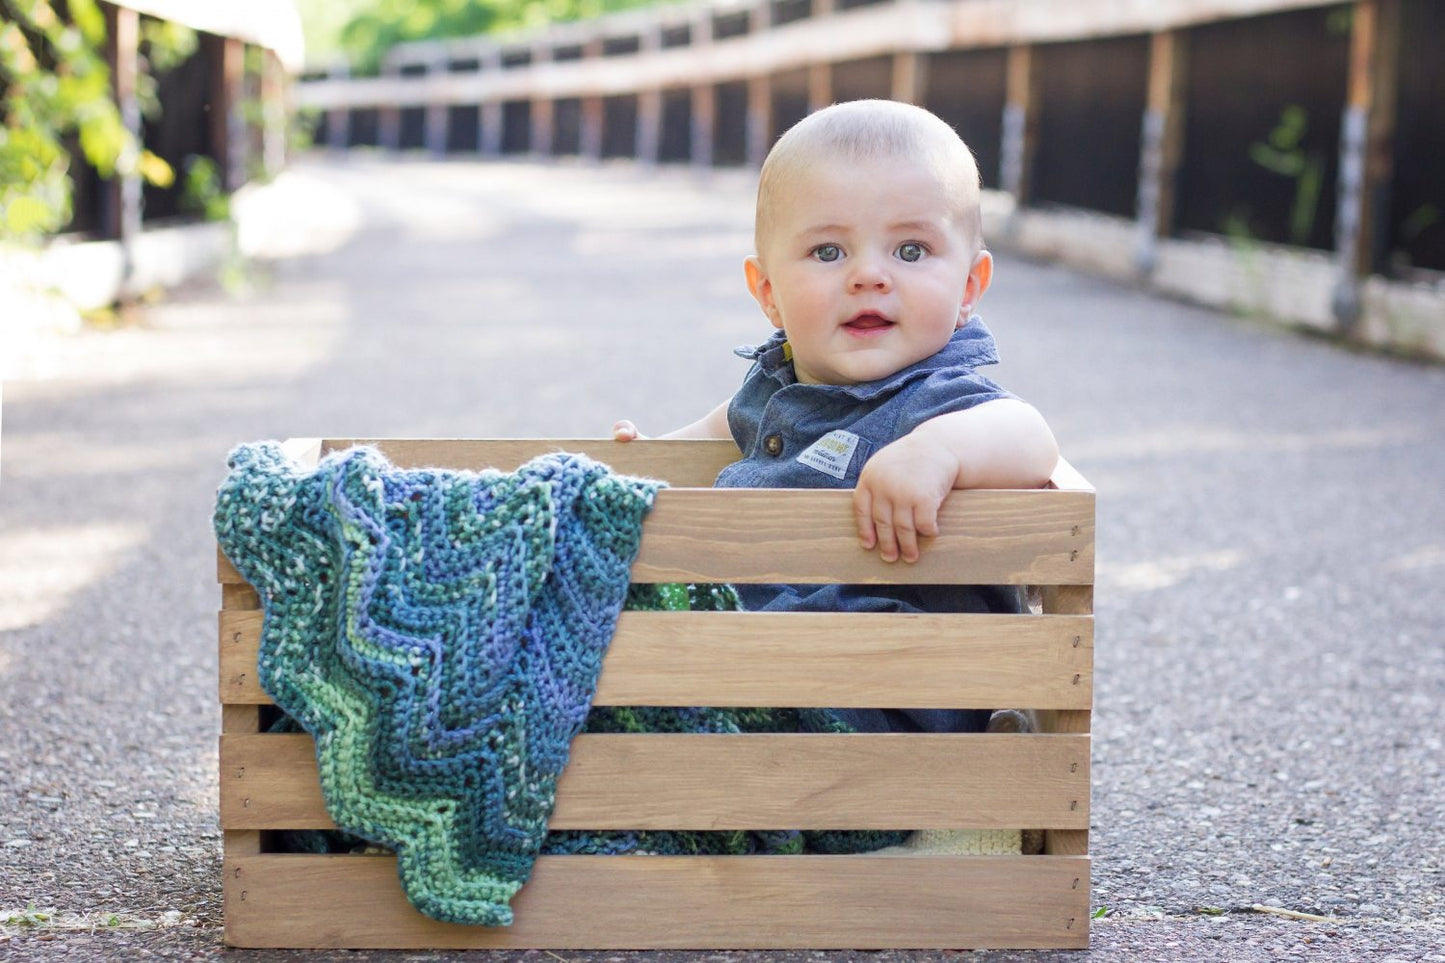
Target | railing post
(490,140)
(649,103)
(338,119)
(435,132)
(542,114)
(274,111)
(1161,145)
(122,212)
(1020,125)
(590,137)
(759,136)
(228,123)
(388,116)
(1366,157)
(910,76)
(704,98)
(820,75)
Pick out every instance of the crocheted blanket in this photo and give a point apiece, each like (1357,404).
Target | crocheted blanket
(440,634)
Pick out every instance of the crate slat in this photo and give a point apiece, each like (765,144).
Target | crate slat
(682,464)
(679,902)
(1075,600)
(1037,537)
(754,781)
(803,659)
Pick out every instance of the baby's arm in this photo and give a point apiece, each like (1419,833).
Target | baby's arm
(998,444)
(714,424)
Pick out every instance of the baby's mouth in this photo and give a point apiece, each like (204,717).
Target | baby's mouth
(868,321)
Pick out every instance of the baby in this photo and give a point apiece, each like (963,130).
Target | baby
(870,263)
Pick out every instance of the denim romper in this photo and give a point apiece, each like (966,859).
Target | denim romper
(795,435)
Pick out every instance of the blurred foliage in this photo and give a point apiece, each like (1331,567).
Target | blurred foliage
(201,189)
(57,93)
(164,46)
(372,27)
(1284,153)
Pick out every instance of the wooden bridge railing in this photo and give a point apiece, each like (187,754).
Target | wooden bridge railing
(741,71)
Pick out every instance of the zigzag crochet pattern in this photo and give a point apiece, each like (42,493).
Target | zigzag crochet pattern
(440,635)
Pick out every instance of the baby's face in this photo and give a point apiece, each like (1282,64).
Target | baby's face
(866,268)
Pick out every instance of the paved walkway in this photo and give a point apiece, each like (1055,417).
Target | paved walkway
(1271,546)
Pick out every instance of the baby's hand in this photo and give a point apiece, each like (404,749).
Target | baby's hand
(898,495)
(625,430)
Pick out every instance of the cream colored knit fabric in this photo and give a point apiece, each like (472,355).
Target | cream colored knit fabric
(958,842)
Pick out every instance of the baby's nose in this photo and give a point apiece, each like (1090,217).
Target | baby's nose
(869,274)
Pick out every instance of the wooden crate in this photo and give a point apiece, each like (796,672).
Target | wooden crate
(1043,661)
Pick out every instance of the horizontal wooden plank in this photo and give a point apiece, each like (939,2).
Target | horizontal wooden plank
(759,535)
(679,902)
(681,463)
(1036,537)
(803,659)
(873,30)
(756,781)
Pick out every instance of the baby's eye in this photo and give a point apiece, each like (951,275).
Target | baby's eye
(827,252)
(910,251)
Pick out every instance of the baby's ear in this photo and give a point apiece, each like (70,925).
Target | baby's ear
(761,289)
(980,276)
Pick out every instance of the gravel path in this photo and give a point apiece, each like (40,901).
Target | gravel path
(1271,545)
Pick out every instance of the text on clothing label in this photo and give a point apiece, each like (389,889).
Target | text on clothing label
(832,453)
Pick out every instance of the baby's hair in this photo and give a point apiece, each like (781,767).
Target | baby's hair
(867,130)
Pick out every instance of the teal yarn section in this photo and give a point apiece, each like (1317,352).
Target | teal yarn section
(440,635)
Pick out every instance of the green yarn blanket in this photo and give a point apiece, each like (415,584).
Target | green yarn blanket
(440,634)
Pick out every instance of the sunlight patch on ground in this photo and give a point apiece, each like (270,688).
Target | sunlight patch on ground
(1431,556)
(44,455)
(179,345)
(654,198)
(42,568)
(1163,572)
(299,212)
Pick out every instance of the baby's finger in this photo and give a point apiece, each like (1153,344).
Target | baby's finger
(907,535)
(925,519)
(624,430)
(887,537)
(863,515)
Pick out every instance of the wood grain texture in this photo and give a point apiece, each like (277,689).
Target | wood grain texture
(1042,538)
(235,593)
(679,902)
(755,781)
(1067,600)
(680,463)
(1037,537)
(802,659)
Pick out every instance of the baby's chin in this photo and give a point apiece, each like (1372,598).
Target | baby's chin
(856,372)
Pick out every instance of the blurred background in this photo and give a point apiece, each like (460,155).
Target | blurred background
(1281,160)
(456,218)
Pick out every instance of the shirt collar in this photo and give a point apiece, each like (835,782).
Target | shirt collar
(970,346)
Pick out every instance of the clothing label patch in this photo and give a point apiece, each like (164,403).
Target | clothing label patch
(831,453)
